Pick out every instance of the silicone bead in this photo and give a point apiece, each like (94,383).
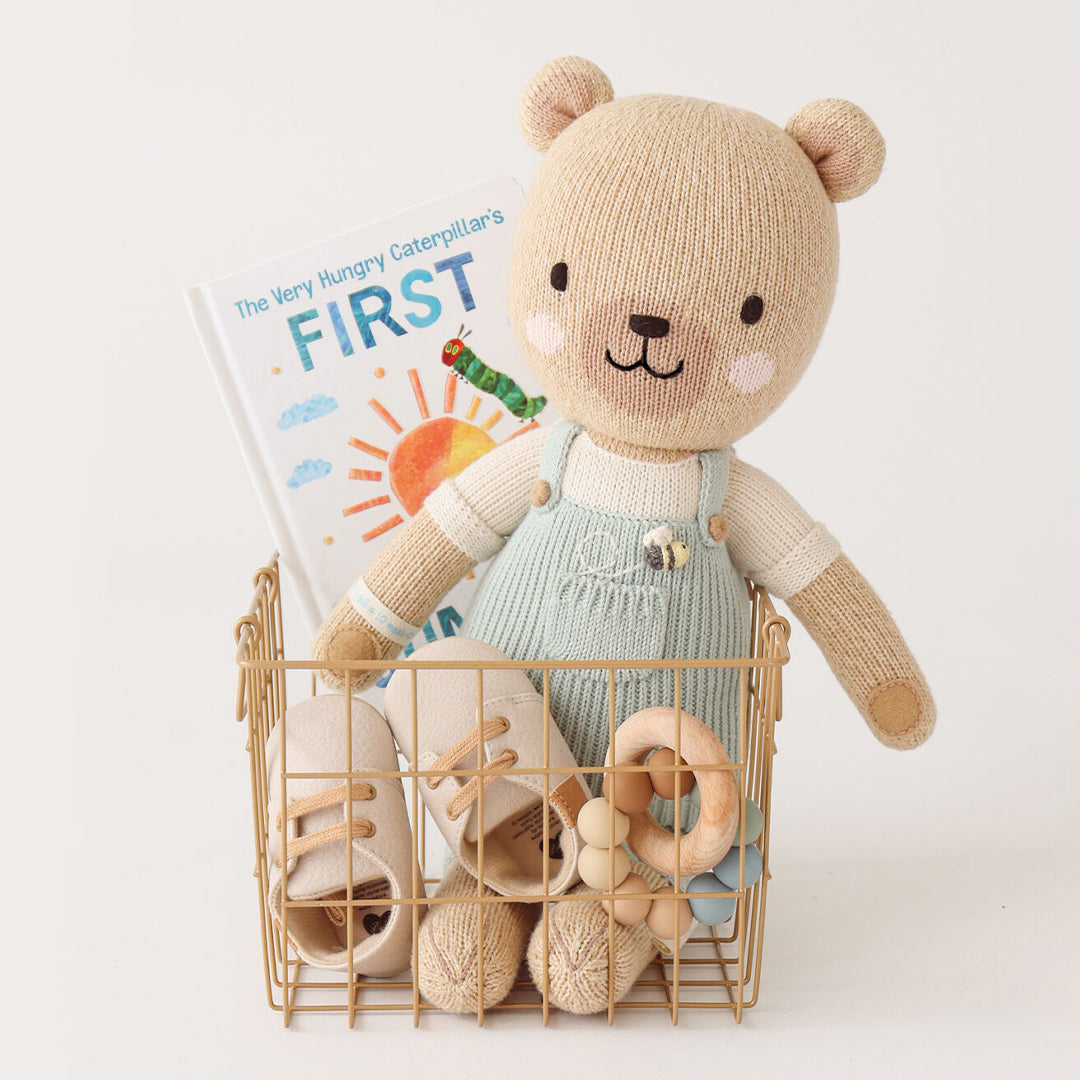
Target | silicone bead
(727,869)
(664,913)
(628,911)
(633,791)
(663,783)
(594,823)
(755,822)
(594,864)
(710,910)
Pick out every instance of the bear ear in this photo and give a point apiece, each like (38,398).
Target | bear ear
(841,140)
(560,92)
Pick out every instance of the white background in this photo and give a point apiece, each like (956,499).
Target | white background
(922,915)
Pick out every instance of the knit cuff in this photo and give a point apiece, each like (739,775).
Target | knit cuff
(372,610)
(461,524)
(809,558)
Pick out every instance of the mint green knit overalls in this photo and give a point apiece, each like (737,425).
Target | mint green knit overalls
(572,583)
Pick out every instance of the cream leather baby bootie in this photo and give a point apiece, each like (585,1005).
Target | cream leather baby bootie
(448,953)
(578,950)
(510,741)
(313,825)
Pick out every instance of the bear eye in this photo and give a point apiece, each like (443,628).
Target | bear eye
(752,310)
(558,276)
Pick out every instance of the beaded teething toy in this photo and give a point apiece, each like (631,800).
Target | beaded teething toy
(604,825)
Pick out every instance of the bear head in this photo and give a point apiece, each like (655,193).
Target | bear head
(675,259)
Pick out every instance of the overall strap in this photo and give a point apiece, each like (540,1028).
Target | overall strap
(553,462)
(714,477)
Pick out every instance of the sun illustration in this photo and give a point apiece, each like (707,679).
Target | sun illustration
(424,456)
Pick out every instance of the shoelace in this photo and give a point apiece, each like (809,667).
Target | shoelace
(470,791)
(301,845)
(336,914)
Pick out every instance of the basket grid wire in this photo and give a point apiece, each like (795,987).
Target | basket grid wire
(717,968)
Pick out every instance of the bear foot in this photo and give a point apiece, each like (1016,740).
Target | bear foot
(578,951)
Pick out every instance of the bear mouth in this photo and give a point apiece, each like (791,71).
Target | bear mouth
(643,362)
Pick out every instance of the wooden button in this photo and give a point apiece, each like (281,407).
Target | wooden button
(718,527)
(541,492)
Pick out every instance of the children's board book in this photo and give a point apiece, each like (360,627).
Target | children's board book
(362,371)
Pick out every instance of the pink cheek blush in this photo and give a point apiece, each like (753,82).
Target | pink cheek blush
(544,332)
(750,372)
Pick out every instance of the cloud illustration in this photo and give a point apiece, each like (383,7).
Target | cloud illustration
(304,411)
(307,471)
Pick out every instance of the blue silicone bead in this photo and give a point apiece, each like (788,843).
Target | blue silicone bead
(727,869)
(710,910)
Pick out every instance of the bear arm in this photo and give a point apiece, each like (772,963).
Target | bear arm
(408,578)
(473,513)
(773,541)
(867,654)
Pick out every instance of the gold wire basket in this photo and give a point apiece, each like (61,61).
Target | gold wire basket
(717,968)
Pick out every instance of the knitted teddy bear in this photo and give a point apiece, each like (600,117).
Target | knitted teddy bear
(674,265)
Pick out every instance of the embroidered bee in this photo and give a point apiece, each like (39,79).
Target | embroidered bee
(662,552)
(466,364)
(669,557)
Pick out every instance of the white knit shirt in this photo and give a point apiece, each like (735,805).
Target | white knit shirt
(608,481)
(771,539)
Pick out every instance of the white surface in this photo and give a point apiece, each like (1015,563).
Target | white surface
(922,914)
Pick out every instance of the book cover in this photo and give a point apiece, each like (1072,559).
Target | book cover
(331,364)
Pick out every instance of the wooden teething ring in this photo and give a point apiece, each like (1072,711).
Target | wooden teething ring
(709,840)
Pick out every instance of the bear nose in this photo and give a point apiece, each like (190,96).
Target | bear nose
(649,326)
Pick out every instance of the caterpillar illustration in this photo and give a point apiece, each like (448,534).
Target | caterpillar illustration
(457,355)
